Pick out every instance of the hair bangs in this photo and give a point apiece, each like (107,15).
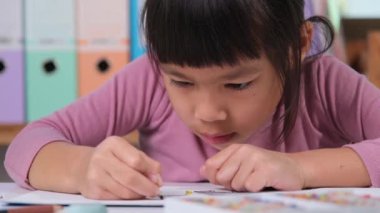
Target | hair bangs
(199,33)
(202,33)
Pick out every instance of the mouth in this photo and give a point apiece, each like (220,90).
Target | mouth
(217,138)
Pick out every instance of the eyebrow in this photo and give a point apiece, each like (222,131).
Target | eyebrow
(241,72)
(233,74)
(175,73)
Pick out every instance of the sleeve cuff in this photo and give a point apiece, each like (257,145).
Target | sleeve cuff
(369,151)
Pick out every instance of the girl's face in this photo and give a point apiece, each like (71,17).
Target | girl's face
(224,105)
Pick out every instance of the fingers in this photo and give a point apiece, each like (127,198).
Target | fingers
(235,171)
(107,189)
(210,169)
(239,180)
(227,171)
(234,168)
(244,167)
(129,178)
(255,182)
(117,170)
(114,190)
(137,160)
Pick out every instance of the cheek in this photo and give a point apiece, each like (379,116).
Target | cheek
(254,111)
(180,102)
(248,115)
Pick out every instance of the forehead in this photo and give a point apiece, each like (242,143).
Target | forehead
(242,69)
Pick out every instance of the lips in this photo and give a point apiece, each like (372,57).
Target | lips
(217,138)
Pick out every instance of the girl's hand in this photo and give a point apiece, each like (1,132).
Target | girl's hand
(117,170)
(244,167)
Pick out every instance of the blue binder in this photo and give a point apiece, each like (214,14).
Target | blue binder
(137,46)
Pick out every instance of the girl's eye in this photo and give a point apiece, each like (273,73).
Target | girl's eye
(181,83)
(239,86)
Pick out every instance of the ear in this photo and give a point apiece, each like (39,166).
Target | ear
(306,38)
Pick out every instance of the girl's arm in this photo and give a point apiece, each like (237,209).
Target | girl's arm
(125,103)
(244,167)
(113,170)
(59,162)
(352,104)
(339,167)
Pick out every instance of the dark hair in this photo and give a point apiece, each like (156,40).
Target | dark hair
(200,33)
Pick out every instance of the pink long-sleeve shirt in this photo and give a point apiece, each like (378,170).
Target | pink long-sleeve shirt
(338,107)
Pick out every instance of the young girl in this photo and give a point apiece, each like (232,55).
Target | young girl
(226,94)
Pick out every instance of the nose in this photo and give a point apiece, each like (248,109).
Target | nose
(209,111)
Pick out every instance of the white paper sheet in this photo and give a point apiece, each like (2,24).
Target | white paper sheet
(168,190)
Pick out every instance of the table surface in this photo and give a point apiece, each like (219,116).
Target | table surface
(9,190)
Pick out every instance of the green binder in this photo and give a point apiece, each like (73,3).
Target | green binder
(51,81)
(50,56)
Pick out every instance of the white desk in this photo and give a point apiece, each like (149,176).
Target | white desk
(13,193)
(9,190)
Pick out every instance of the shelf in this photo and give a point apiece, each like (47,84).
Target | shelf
(8,132)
